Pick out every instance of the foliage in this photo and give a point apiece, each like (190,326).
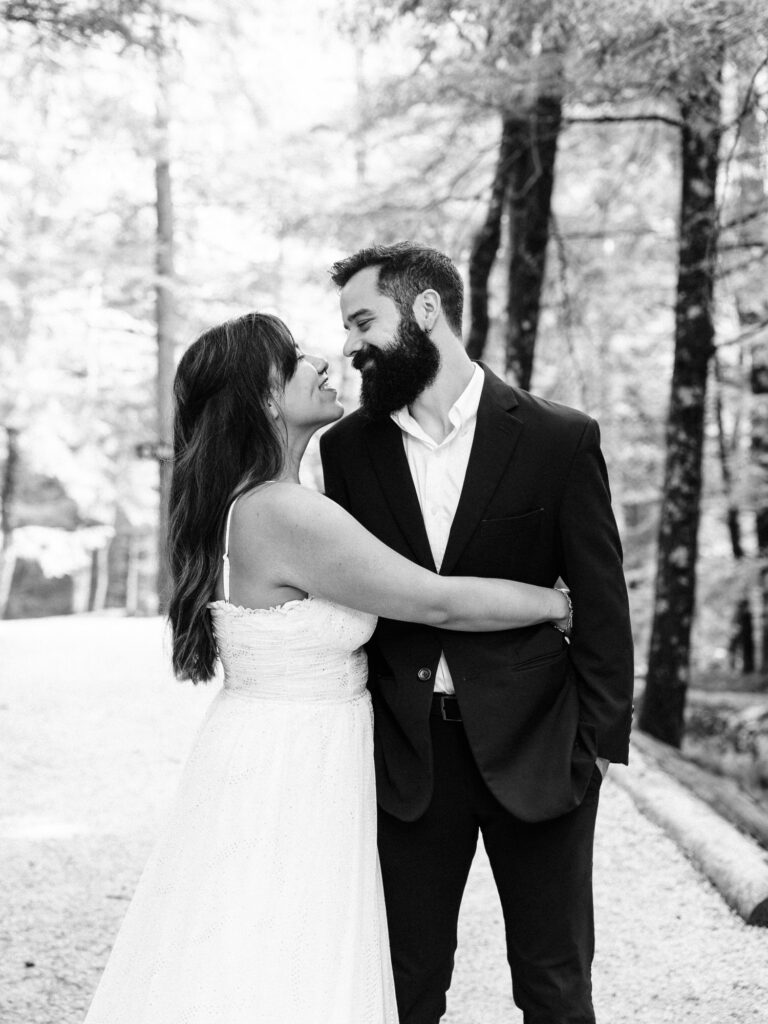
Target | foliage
(82,21)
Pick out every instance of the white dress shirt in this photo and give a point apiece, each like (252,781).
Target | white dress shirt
(438,472)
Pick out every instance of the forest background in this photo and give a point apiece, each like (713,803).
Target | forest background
(596,167)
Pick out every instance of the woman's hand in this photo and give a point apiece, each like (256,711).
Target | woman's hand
(564,622)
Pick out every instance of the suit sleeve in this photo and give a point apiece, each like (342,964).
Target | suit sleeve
(601,647)
(334,484)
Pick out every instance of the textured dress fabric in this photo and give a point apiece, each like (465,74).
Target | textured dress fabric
(262,901)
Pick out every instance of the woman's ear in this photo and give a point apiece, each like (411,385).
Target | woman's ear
(272,409)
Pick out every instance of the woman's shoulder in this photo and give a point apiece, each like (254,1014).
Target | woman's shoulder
(278,502)
(285,517)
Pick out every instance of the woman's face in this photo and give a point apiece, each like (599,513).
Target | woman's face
(307,400)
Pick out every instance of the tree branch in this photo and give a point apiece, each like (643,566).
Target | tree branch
(619,118)
(745,336)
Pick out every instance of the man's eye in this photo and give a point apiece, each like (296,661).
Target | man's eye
(363,325)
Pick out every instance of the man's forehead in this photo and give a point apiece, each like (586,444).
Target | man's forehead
(364,285)
(361,295)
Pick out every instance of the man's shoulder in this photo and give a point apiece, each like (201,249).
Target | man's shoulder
(346,430)
(547,411)
(536,411)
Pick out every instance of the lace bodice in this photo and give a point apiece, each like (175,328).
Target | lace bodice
(302,650)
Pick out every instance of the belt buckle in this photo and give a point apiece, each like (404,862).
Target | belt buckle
(444,698)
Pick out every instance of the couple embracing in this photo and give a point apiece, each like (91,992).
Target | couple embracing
(401,673)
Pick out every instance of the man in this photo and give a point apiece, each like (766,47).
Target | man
(506,733)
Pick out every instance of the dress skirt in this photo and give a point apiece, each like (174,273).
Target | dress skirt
(262,900)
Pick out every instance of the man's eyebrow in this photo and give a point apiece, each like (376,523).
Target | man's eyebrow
(354,316)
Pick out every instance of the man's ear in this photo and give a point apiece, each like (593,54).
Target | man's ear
(426,309)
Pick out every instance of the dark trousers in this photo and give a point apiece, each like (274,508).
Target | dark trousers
(543,873)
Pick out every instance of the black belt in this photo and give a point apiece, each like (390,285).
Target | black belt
(445,706)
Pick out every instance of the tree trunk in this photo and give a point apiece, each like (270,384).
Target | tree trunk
(533,141)
(9,484)
(7,493)
(741,645)
(97,598)
(752,307)
(759,460)
(164,314)
(668,663)
(724,451)
(748,170)
(486,244)
(132,571)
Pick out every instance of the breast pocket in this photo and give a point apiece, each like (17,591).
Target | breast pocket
(502,542)
(521,524)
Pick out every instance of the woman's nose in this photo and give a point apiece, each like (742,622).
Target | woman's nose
(320,364)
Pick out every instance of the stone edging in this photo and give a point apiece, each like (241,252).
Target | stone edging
(732,861)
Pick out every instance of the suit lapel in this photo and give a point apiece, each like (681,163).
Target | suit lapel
(496,435)
(390,464)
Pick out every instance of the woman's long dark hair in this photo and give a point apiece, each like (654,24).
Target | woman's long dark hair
(224,443)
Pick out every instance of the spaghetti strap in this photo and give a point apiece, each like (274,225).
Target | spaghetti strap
(225,556)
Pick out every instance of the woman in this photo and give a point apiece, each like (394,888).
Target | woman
(262,901)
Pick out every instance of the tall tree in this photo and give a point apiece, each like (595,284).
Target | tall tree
(145,24)
(741,643)
(668,663)
(164,296)
(752,310)
(759,458)
(530,200)
(744,243)
(38,27)
(521,189)
(485,245)
(8,487)
(517,55)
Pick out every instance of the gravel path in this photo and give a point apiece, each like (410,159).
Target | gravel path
(93,733)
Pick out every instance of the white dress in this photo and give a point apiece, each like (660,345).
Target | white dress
(262,901)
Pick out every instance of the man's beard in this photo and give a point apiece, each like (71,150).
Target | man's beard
(399,374)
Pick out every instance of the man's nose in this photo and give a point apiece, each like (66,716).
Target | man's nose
(351,345)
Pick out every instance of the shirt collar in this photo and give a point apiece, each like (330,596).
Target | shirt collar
(461,414)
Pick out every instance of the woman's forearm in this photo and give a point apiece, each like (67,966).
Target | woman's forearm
(475,604)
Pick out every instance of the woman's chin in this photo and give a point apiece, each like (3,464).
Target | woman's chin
(335,412)
(330,415)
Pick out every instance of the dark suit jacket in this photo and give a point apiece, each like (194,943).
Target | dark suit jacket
(535,506)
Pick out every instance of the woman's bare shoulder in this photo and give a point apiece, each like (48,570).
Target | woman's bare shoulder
(279,506)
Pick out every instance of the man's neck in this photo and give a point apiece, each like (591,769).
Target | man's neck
(431,408)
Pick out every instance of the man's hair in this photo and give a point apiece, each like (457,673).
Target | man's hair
(406,269)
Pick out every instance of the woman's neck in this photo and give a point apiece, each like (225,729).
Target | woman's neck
(292,456)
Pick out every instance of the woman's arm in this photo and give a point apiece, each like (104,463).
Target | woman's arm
(294,537)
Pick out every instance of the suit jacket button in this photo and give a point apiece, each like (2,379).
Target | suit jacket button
(424,674)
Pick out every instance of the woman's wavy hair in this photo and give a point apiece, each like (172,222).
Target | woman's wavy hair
(224,443)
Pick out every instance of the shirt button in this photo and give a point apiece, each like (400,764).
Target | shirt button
(424,674)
